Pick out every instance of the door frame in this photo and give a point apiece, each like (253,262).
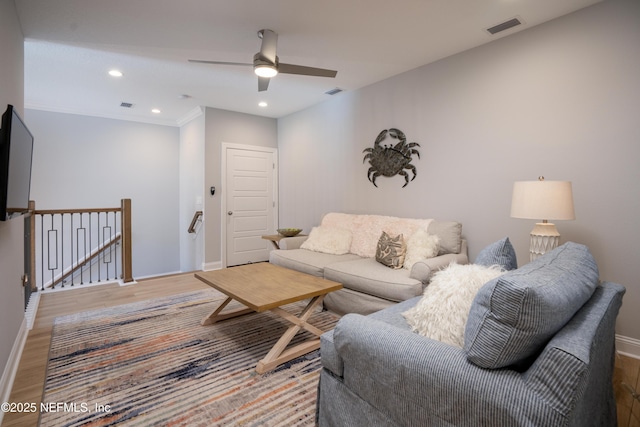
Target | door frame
(223,203)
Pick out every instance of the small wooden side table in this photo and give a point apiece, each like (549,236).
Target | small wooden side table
(275,238)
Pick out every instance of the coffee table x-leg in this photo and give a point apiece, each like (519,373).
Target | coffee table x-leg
(279,353)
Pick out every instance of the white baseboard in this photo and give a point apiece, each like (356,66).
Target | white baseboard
(217,265)
(628,346)
(32,309)
(11,368)
(153,276)
(133,282)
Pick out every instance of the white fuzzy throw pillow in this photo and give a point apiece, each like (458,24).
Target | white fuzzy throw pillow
(330,240)
(442,312)
(421,245)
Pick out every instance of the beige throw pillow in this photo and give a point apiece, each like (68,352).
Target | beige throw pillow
(442,312)
(391,250)
(329,240)
(421,245)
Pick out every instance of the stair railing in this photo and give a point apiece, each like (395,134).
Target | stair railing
(78,246)
(196,217)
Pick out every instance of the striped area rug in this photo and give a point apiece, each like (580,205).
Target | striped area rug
(153,364)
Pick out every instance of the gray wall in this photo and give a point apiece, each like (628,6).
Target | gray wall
(11,232)
(559,100)
(191,193)
(230,127)
(90,162)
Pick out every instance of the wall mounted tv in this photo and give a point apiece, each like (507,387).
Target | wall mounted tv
(16,151)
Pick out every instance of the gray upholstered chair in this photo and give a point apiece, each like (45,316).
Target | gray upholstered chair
(539,351)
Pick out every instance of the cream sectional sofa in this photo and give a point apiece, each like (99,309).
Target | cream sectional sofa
(368,285)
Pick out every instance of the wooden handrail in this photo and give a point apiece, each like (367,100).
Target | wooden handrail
(194,220)
(74,211)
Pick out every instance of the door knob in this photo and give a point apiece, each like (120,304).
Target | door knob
(230,213)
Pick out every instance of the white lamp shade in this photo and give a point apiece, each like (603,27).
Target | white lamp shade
(542,200)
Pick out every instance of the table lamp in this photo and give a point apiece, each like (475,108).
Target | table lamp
(542,200)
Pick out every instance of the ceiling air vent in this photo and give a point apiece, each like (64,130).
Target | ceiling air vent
(333,91)
(504,26)
(126,105)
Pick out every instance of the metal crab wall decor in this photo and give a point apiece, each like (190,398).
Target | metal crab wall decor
(389,159)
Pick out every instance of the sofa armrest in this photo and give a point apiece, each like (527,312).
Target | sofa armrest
(407,376)
(292,242)
(425,268)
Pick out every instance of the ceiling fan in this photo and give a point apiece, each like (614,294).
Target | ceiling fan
(266,63)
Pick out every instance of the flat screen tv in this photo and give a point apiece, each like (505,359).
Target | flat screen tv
(16,151)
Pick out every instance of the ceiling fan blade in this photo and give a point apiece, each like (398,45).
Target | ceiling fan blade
(202,61)
(306,71)
(263,83)
(269,44)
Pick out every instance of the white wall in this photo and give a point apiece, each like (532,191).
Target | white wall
(192,140)
(11,232)
(559,100)
(90,162)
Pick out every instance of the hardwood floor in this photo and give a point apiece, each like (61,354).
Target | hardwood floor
(627,375)
(29,381)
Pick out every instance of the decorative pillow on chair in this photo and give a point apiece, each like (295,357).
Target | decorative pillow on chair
(513,317)
(391,250)
(421,245)
(330,240)
(442,312)
(498,253)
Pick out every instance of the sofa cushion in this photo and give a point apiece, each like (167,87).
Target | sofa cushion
(421,245)
(498,253)
(366,229)
(442,312)
(346,300)
(513,316)
(370,277)
(329,240)
(391,251)
(307,261)
(450,234)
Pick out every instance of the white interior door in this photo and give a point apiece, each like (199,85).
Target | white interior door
(250,204)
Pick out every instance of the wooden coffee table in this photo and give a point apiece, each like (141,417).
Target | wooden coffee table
(264,286)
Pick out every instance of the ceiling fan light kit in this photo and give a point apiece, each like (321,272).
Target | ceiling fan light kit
(266,64)
(263,67)
(265,71)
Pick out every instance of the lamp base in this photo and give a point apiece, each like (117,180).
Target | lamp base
(544,238)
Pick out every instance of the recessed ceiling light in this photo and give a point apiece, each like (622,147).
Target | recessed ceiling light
(262,104)
(115,73)
(156,111)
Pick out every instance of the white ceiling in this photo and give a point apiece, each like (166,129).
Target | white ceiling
(71,44)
